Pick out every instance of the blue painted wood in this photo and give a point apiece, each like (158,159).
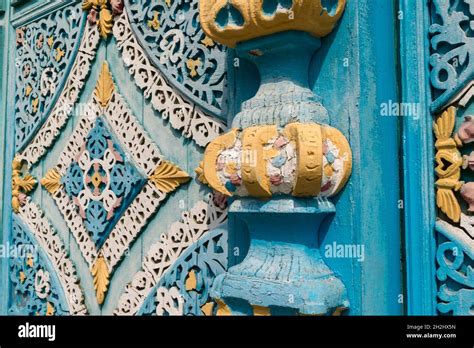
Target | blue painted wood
(418,175)
(283,267)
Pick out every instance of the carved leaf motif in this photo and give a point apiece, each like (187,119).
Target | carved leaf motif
(52,181)
(105,86)
(167,177)
(88,4)
(106,22)
(444,125)
(448,204)
(100,273)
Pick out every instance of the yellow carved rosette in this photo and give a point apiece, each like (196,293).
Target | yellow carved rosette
(233,21)
(303,160)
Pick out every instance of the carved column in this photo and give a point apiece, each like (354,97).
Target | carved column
(280,163)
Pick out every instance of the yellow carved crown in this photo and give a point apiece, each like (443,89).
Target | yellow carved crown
(233,21)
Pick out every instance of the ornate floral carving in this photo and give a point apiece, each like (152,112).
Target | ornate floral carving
(452,47)
(230,22)
(192,275)
(455,256)
(202,218)
(45,52)
(47,239)
(167,100)
(167,177)
(173,39)
(107,195)
(63,107)
(448,168)
(35,290)
(101,13)
(22,184)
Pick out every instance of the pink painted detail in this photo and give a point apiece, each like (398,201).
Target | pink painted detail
(117,204)
(467,193)
(117,156)
(220,200)
(22,199)
(326,187)
(276,179)
(466,131)
(92,17)
(82,213)
(235,179)
(280,143)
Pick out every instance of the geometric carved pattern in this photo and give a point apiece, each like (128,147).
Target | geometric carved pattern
(63,107)
(192,275)
(35,289)
(170,33)
(205,216)
(47,239)
(101,182)
(181,114)
(455,245)
(45,50)
(106,196)
(452,49)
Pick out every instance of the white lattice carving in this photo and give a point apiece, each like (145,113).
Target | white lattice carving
(203,217)
(144,154)
(170,301)
(50,242)
(70,94)
(181,114)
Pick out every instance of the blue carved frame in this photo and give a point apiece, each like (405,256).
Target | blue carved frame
(418,174)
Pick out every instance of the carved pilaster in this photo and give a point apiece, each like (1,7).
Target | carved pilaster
(281,162)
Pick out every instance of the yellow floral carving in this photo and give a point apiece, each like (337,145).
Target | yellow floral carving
(21,184)
(49,309)
(50,41)
(167,177)
(192,65)
(200,173)
(28,90)
(105,86)
(208,42)
(35,104)
(449,175)
(155,22)
(106,21)
(208,308)
(51,181)
(59,54)
(100,272)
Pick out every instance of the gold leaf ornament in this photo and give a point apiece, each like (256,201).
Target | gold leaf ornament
(105,86)
(22,184)
(51,181)
(167,177)
(100,272)
(449,163)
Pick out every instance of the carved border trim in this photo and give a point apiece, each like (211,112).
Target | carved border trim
(63,107)
(48,239)
(203,217)
(182,115)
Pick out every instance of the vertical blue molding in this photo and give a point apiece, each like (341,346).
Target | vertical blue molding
(417,161)
(376,177)
(5,156)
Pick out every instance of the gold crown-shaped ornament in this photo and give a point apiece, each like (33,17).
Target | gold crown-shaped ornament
(232,21)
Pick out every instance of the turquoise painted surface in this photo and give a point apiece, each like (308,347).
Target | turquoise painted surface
(354,72)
